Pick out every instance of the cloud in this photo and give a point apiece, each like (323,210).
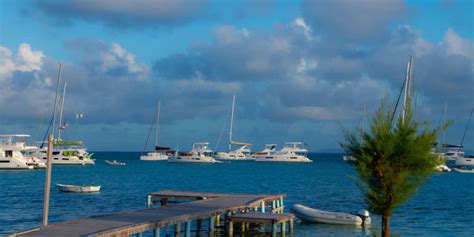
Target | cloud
(353,20)
(25,60)
(119,13)
(112,60)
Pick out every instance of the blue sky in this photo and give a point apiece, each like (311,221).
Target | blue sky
(301,70)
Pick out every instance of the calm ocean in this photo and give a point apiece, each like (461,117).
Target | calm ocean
(443,207)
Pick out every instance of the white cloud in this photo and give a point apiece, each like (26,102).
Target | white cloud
(456,45)
(117,57)
(26,60)
(300,22)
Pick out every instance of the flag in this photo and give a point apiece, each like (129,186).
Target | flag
(64,126)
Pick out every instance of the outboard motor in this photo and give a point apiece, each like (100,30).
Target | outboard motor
(364,215)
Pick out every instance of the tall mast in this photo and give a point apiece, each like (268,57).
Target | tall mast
(231,122)
(407,90)
(56,99)
(467,126)
(445,118)
(61,113)
(157,124)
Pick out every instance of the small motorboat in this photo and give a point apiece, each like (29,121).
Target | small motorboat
(463,170)
(307,214)
(114,162)
(78,189)
(443,168)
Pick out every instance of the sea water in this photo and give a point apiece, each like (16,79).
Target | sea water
(442,207)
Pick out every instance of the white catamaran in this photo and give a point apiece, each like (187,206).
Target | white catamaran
(291,152)
(160,153)
(241,153)
(11,156)
(201,153)
(65,152)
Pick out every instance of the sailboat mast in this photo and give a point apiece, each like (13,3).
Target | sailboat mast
(56,99)
(445,118)
(406,92)
(467,126)
(61,112)
(157,124)
(231,122)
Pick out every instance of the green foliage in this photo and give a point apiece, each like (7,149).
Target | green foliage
(392,162)
(67,143)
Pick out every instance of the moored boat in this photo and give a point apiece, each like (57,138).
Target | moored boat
(160,153)
(11,156)
(114,162)
(77,189)
(199,154)
(291,152)
(307,214)
(241,153)
(460,170)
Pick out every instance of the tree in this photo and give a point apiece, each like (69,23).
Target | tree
(392,162)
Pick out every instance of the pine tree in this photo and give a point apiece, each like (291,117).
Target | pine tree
(392,162)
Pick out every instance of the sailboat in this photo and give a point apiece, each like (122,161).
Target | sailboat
(65,152)
(241,153)
(462,161)
(160,152)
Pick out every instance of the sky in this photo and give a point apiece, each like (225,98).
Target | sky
(300,70)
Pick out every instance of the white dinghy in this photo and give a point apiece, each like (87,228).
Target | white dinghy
(307,214)
(114,162)
(78,189)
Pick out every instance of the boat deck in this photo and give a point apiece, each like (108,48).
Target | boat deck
(207,206)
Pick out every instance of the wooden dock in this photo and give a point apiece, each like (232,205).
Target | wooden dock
(197,207)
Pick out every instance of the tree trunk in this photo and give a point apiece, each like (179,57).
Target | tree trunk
(386,225)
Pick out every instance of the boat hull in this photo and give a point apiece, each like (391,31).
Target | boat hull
(464,170)
(307,214)
(191,159)
(78,189)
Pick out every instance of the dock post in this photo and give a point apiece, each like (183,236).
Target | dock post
(230,231)
(198,225)
(262,206)
(283,229)
(218,219)
(212,226)
(291,226)
(187,229)
(177,230)
(148,203)
(273,206)
(274,230)
(156,232)
(139,234)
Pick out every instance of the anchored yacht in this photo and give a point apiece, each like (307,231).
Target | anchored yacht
(269,149)
(241,153)
(10,153)
(160,153)
(71,154)
(199,154)
(291,152)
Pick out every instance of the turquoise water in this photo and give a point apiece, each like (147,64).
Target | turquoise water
(443,207)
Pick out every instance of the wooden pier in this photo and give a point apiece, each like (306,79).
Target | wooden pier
(193,207)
